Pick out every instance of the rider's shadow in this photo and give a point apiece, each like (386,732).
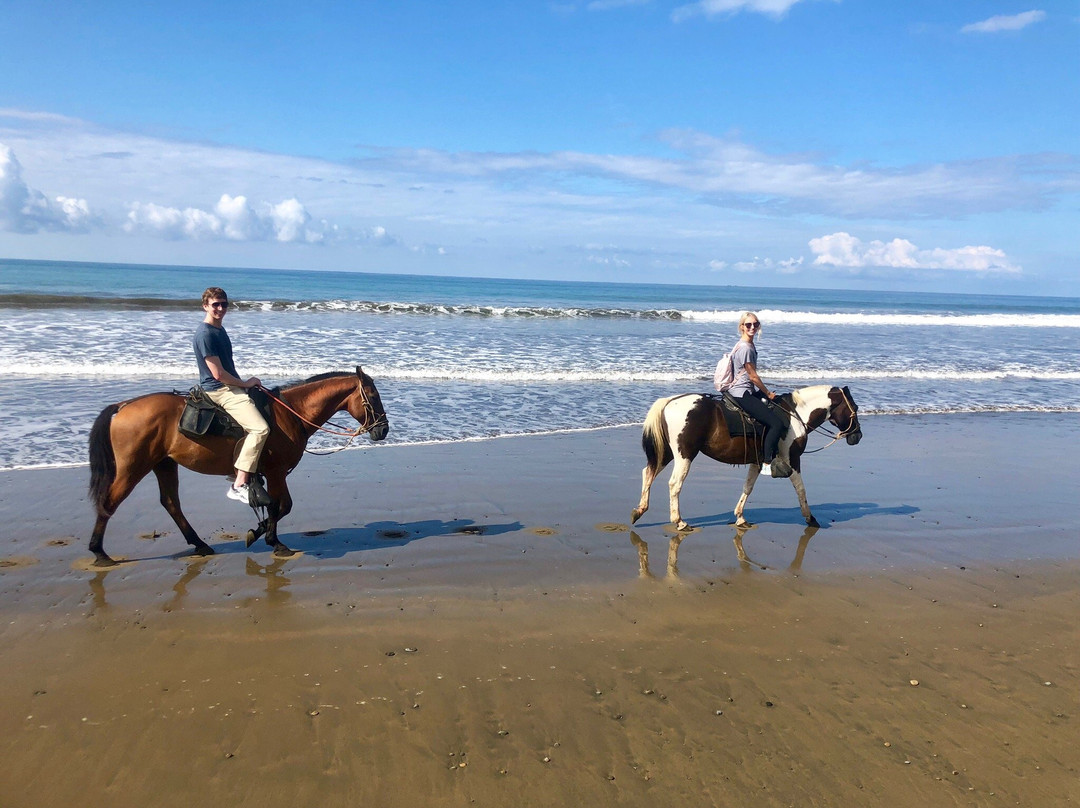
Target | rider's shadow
(339,542)
(826,513)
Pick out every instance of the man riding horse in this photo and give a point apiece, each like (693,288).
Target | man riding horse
(222,385)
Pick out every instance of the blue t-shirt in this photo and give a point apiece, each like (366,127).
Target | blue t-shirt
(742,353)
(212,341)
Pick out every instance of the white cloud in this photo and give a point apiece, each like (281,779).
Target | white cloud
(291,221)
(1005,22)
(732,174)
(26,210)
(238,220)
(233,218)
(847,251)
(787,266)
(716,8)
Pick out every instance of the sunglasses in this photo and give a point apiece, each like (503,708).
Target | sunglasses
(751,325)
(224,305)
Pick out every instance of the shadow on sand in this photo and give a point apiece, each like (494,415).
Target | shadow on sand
(826,513)
(339,542)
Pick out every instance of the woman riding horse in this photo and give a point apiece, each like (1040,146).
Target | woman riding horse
(748,389)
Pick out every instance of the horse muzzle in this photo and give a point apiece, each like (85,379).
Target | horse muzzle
(854,437)
(380,430)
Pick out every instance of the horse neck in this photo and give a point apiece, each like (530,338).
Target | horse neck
(814,405)
(318,401)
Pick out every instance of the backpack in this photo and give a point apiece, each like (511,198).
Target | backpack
(725,372)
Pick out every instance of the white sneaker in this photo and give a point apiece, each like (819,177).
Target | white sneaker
(766,469)
(240,494)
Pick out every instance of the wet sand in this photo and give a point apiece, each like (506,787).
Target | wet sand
(476,624)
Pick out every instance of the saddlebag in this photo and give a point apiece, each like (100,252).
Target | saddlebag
(202,418)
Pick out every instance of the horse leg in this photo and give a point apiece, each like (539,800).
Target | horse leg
(168,477)
(800,489)
(253,535)
(648,475)
(280,550)
(747,489)
(280,505)
(123,484)
(97,543)
(675,484)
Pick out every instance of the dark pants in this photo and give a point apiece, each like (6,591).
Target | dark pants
(757,409)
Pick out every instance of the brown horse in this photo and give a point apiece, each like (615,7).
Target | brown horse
(681,427)
(130,439)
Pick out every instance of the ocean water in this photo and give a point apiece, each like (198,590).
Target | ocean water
(467,358)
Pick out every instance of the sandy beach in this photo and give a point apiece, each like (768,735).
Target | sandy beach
(475,623)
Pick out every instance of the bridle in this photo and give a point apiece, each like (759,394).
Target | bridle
(370,417)
(852,426)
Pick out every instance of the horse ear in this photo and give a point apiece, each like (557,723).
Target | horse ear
(359,371)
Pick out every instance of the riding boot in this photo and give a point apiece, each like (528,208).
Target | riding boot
(780,468)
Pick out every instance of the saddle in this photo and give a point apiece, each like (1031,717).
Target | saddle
(203,418)
(739,422)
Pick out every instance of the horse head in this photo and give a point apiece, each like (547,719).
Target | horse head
(844,414)
(366,407)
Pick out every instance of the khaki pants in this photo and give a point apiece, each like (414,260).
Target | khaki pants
(236,402)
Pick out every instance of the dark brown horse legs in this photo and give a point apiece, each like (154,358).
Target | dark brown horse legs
(97,541)
(273,513)
(168,478)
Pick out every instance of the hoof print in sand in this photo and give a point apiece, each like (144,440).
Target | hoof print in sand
(612,527)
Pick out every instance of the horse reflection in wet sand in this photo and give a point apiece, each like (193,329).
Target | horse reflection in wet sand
(675,541)
(681,427)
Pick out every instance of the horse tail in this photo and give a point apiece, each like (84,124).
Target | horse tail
(654,437)
(102,459)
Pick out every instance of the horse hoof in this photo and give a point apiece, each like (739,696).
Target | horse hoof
(281,551)
(205,550)
(250,538)
(682,527)
(104,561)
(635,515)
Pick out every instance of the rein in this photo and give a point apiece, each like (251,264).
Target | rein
(351,434)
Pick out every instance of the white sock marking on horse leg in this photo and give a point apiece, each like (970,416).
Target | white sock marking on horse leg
(675,484)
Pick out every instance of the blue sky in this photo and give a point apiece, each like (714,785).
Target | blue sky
(815,143)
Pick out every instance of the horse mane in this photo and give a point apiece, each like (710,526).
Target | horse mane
(318,377)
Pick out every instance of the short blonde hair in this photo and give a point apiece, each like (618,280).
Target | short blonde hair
(745,316)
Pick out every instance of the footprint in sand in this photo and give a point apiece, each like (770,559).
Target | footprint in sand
(16,562)
(63,542)
(153,534)
(543,531)
(472,530)
(612,527)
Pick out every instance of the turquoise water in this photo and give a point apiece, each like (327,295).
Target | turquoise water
(466,358)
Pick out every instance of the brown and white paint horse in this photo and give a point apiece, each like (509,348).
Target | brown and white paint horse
(681,427)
